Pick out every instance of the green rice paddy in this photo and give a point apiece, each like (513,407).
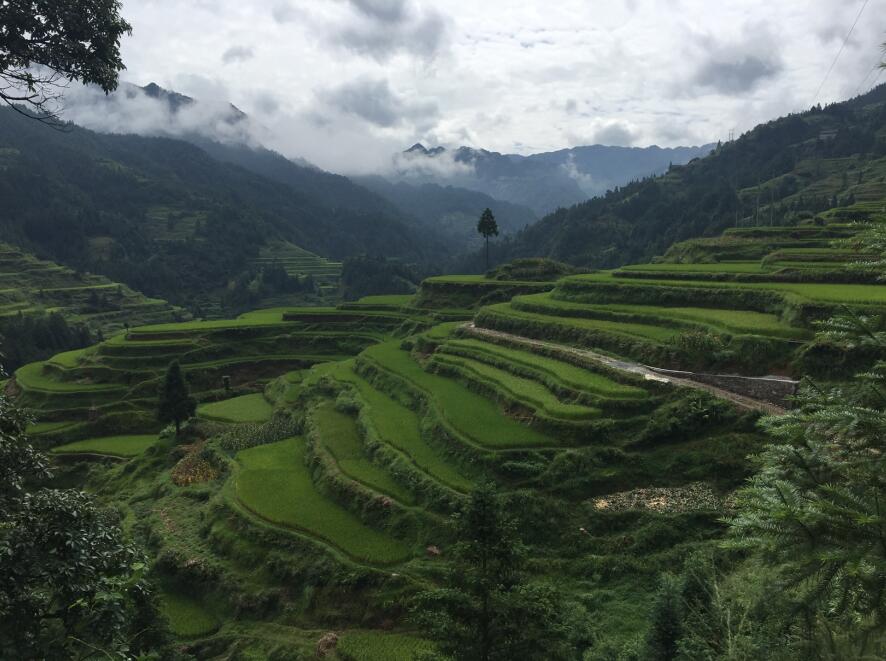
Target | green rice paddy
(523,390)
(472,416)
(569,375)
(187,618)
(275,484)
(246,408)
(114,446)
(339,435)
(400,427)
(381,646)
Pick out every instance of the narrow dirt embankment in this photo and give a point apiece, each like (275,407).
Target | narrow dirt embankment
(651,373)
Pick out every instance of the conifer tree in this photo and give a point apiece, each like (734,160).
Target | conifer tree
(176,404)
(487,227)
(488,610)
(814,510)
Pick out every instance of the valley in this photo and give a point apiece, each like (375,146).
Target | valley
(311,491)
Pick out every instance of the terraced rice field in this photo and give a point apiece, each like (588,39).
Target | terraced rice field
(525,391)
(734,321)
(187,618)
(400,427)
(34,377)
(570,376)
(626,329)
(813,291)
(275,484)
(246,408)
(113,446)
(377,645)
(338,433)
(472,416)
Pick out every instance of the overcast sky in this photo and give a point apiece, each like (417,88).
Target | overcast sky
(344,83)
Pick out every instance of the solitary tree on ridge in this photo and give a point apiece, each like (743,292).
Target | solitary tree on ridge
(487,227)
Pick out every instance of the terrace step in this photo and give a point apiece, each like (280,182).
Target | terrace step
(682,379)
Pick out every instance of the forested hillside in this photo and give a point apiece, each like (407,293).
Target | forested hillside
(776,174)
(168,219)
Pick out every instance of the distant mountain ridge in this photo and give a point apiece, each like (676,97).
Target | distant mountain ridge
(783,172)
(544,181)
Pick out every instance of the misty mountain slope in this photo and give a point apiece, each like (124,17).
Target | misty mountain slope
(542,182)
(778,173)
(162,215)
(450,211)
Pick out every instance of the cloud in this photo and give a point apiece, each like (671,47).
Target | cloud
(373,101)
(617,134)
(381,29)
(735,68)
(284,12)
(388,11)
(131,110)
(237,54)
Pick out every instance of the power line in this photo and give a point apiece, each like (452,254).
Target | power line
(865,79)
(839,52)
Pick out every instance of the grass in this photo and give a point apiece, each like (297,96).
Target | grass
(114,446)
(523,390)
(715,267)
(571,376)
(472,416)
(47,427)
(187,618)
(735,321)
(32,377)
(378,646)
(826,292)
(339,434)
(276,485)
(391,299)
(401,428)
(246,408)
(632,330)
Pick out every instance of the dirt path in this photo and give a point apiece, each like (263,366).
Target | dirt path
(626,366)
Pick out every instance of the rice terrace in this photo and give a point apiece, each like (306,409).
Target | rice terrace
(606,403)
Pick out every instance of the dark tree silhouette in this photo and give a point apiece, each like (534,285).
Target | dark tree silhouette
(176,403)
(487,227)
(46,44)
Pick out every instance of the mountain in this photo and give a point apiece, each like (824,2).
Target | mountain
(165,217)
(779,173)
(449,211)
(542,182)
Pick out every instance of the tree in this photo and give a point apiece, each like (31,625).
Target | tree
(46,44)
(488,611)
(71,586)
(487,227)
(814,511)
(176,403)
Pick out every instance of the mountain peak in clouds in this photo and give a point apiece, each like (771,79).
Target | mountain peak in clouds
(419,148)
(177,101)
(542,181)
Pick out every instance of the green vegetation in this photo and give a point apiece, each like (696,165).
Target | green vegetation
(114,446)
(275,484)
(525,391)
(473,417)
(374,645)
(570,376)
(400,427)
(339,435)
(187,618)
(246,408)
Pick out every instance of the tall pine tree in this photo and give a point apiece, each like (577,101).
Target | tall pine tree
(176,404)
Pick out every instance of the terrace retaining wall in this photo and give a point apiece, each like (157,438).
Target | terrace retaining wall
(773,389)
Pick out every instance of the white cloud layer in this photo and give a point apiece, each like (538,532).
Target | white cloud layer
(345,83)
